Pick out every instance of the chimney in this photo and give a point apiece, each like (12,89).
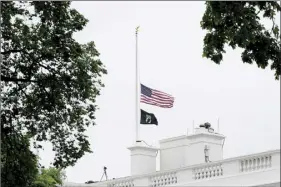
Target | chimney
(143,159)
(203,146)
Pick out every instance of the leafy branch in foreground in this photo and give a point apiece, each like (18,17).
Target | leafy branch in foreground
(49,81)
(238,24)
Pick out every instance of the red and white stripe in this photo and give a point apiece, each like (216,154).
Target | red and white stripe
(159,99)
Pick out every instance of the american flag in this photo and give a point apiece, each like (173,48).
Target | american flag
(155,97)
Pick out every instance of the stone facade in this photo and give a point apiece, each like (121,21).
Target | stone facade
(196,160)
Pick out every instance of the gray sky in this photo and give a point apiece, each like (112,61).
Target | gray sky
(245,98)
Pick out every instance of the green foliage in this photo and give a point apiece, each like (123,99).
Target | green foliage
(49,178)
(18,163)
(49,81)
(237,23)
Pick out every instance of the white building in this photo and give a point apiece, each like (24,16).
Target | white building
(196,160)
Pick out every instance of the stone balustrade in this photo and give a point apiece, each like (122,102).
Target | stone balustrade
(206,171)
(164,179)
(256,163)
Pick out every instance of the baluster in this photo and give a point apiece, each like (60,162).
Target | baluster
(215,171)
(254,164)
(266,162)
(242,166)
(250,165)
(168,178)
(218,171)
(262,162)
(204,173)
(158,180)
(195,174)
(258,163)
(270,161)
(176,178)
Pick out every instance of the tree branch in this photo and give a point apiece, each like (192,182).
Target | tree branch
(11,51)
(13,79)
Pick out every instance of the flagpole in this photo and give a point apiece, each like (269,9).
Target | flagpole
(137,89)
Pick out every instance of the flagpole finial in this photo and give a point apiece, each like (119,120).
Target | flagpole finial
(137,29)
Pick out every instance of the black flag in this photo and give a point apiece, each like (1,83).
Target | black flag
(148,118)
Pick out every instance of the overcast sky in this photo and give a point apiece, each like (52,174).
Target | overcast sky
(245,98)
